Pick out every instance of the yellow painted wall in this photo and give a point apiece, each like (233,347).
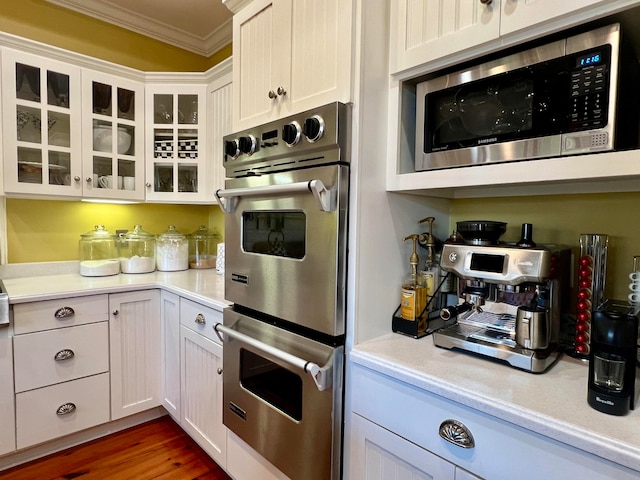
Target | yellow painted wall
(49,230)
(562,218)
(47,23)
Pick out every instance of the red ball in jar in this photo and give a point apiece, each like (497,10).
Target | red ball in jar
(582,337)
(584,282)
(582,348)
(583,305)
(583,316)
(584,271)
(585,260)
(584,294)
(582,326)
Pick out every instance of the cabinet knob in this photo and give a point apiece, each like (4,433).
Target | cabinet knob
(66,409)
(457,433)
(148,185)
(200,320)
(272,94)
(64,312)
(64,354)
(281,91)
(77,178)
(486,2)
(219,371)
(115,313)
(88,180)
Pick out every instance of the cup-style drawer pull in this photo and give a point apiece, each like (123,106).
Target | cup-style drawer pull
(64,312)
(66,409)
(456,433)
(200,320)
(65,354)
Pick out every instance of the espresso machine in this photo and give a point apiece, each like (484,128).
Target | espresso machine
(512,297)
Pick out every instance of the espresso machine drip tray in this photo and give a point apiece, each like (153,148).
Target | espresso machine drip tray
(489,327)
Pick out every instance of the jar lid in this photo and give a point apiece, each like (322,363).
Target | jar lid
(172,233)
(202,233)
(138,234)
(98,233)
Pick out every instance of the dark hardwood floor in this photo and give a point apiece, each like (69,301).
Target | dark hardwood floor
(155,450)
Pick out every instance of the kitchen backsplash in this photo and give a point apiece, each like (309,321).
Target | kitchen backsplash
(49,230)
(561,219)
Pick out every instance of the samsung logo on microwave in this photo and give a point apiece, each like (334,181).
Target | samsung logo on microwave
(484,141)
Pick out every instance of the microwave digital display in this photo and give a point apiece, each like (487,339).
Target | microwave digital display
(591,59)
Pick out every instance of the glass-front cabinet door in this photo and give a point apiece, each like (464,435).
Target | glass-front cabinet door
(175,122)
(41,114)
(113,137)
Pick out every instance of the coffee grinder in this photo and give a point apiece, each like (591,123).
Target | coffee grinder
(614,379)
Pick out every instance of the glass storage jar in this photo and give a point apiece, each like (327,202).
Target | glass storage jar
(137,251)
(98,255)
(203,248)
(172,250)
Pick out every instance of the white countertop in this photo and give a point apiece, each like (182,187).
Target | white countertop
(553,404)
(199,285)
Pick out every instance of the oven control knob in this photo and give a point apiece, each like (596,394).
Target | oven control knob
(291,133)
(232,149)
(314,128)
(247,144)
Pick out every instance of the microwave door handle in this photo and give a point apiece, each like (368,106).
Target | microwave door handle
(322,376)
(228,199)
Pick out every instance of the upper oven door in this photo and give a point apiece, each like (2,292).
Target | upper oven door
(285,245)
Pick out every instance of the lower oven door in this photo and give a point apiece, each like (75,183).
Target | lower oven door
(282,394)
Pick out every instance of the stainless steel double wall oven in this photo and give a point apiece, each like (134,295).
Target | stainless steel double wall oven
(285,203)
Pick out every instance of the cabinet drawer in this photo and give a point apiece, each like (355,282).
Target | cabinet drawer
(86,346)
(199,318)
(416,415)
(37,419)
(49,314)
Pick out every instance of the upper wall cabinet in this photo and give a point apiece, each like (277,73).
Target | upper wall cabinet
(424,30)
(41,117)
(289,56)
(176,143)
(113,137)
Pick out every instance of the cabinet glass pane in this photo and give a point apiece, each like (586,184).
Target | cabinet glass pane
(163,175)
(102,136)
(29,165)
(59,168)
(188,109)
(163,143)
(59,129)
(101,98)
(126,104)
(27,82)
(187,144)
(187,177)
(126,139)
(163,108)
(28,121)
(102,172)
(126,174)
(58,89)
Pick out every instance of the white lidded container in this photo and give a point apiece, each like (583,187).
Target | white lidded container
(172,251)
(98,254)
(137,251)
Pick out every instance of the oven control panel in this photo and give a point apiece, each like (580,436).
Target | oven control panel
(314,137)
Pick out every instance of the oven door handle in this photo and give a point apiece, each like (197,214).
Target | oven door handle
(326,198)
(322,376)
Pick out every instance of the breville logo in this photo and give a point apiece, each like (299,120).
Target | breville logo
(524,263)
(487,140)
(606,402)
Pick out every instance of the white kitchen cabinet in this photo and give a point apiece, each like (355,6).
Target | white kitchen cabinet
(8,430)
(290,56)
(501,449)
(379,454)
(219,104)
(243,462)
(201,379)
(176,143)
(135,337)
(170,314)
(112,137)
(425,30)
(41,117)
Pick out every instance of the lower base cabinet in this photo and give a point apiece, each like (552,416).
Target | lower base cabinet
(393,432)
(8,429)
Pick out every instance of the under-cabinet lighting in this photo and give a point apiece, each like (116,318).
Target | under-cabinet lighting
(104,200)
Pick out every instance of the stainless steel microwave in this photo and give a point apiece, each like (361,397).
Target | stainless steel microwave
(573,96)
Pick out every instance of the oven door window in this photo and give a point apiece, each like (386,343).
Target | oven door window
(272,383)
(276,233)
